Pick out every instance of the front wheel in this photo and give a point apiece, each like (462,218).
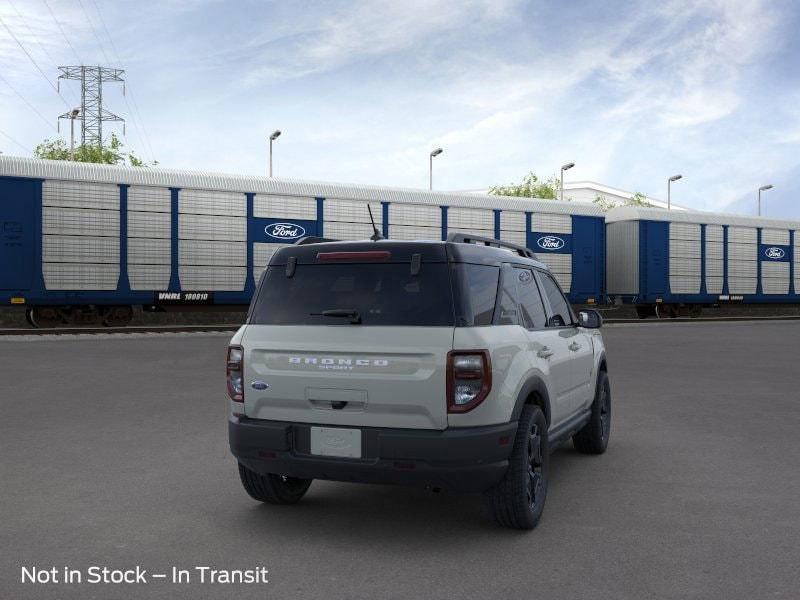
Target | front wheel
(271,488)
(518,500)
(593,437)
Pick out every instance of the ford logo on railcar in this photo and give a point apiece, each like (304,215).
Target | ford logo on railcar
(285,231)
(774,253)
(550,242)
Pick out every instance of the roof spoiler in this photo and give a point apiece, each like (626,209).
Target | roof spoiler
(467,238)
(313,239)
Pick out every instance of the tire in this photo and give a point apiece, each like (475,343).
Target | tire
(593,437)
(518,500)
(271,488)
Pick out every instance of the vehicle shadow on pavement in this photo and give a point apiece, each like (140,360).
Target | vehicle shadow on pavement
(357,513)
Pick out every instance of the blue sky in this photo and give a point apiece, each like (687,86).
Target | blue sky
(632,92)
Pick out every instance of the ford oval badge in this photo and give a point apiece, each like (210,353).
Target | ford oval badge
(774,253)
(259,385)
(550,242)
(285,231)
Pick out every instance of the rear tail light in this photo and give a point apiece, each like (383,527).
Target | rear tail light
(234,373)
(469,379)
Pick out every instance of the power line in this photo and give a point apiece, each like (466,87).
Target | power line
(35,64)
(94,32)
(33,35)
(31,106)
(137,114)
(63,33)
(3,133)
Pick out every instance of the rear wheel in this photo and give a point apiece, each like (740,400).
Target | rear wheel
(271,488)
(518,500)
(593,437)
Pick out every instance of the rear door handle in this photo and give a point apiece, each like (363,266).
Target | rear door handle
(545,352)
(574,346)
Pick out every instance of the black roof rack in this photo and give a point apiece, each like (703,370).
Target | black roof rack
(467,238)
(313,239)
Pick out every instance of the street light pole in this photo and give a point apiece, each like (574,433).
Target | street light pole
(436,152)
(72,115)
(275,135)
(565,167)
(669,189)
(763,188)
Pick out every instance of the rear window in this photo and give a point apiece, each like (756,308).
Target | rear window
(381,294)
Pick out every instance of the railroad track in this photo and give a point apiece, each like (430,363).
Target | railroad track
(653,321)
(233,327)
(128,329)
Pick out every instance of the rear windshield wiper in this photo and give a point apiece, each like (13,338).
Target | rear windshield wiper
(345,313)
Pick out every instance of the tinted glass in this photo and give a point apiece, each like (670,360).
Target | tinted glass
(382,294)
(477,292)
(558,303)
(506,313)
(530,300)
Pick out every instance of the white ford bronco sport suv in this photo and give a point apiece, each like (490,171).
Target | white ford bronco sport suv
(455,365)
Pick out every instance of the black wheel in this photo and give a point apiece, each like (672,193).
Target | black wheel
(45,317)
(645,311)
(695,310)
(271,488)
(593,438)
(518,500)
(665,311)
(117,316)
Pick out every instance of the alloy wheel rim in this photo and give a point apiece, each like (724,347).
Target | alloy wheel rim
(535,466)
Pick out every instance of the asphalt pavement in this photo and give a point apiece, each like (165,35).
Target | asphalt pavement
(114,453)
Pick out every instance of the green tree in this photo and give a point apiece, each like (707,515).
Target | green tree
(606,204)
(531,187)
(111,154)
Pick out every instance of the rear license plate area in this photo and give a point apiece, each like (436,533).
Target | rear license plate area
(336,441)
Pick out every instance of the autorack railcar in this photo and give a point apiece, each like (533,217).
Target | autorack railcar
(674,263)
(85,243)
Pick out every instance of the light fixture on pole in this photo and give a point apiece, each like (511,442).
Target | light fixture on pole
(436,152)
(565,167)
(763,188)
(275,135)
(669,189)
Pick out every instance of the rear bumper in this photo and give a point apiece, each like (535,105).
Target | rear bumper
(464,459)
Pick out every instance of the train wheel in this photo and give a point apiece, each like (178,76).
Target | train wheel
(29,317)
(695,310)
(117,316)
(665,311)
(45,317)
(645,311)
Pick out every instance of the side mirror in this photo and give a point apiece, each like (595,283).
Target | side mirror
(590,319)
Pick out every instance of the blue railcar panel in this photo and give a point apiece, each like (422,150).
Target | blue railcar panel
(250,285)
(18,232)
(653,260)
(587,245)
(123,286)
(174,277)
(561,243)
(775,252)
(279,231)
